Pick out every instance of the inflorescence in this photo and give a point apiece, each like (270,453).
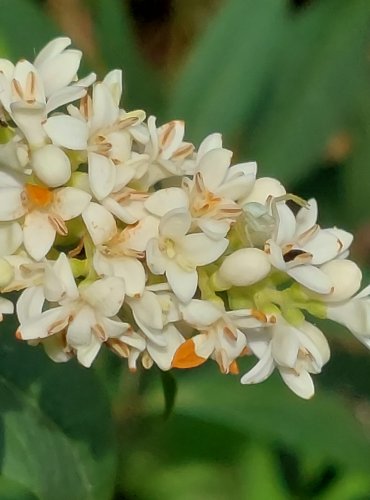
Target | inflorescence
(118,232)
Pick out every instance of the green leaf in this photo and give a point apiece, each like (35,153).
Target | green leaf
(228,68)
(24,29)
(259,475)
(169,392)
(57,432)
(322,427)
(356,171)
(119,49)
(11,490)
(315,87)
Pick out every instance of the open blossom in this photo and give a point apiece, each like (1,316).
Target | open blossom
(295,351)
(299,246)
(177,253)
(120,233)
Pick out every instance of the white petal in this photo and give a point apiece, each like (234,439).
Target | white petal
(58,72)
(64,96)
(300,383)
(212,141)
(52,49)
(201,250)
(87,353)
(164,200)
(285,345)
(11,236)
(201,313)
(324,246)
(286,224)
(38,234)
(175,224)
(312,278)
(67,131)
(147,311)
(138,236)
(30,303)
(79,330)
(154,257)
(11,203)
(105,295)
(261,371)
(214,229)
(69,202)
(183,283)
(263,188)
(121,212)
(307,217)
(39,326)
(105,110)
(162,356)
(99,222)
(113,80)
(213,167)
(102,175)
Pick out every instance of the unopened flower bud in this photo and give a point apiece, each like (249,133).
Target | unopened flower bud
(51,165)
(263,188)
(242,268)
(346,278)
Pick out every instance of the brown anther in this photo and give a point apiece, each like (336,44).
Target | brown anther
(230,333)
(259,315)
(77,250)
(18,335)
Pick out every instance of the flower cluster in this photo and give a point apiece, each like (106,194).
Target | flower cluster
(119,232)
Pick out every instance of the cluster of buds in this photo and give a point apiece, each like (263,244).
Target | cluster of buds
(119,233)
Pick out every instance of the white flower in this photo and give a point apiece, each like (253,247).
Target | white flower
(166,153)
(29,91)
(298,246)
(87,313)
(154,313)
(354,314)
(45,211)
(295,351)
(220,337)
(178,254)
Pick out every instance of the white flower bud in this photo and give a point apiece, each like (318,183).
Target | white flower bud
(263,188)
(6,273)
(51,165)
(242,268)
(345,276)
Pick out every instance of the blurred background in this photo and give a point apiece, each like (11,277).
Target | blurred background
(287,84)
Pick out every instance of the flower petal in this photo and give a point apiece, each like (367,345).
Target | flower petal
(311,277)
(99,222)
(102,175)
(67,131)
(183,283)
(201,250)
(38,234)
(300,383)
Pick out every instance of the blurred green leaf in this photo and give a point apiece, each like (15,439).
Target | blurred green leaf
(357,169)
(169,391)
(219,86)
(11,490)
(323,426)
(120,50)
(24,29)
(351,486)
(320,73)
(56,430)
(260,476)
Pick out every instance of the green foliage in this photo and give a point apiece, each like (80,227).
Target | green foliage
(24,29)
(220,85)
(115,33)
(56,428)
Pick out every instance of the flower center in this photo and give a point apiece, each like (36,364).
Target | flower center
(39,195)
